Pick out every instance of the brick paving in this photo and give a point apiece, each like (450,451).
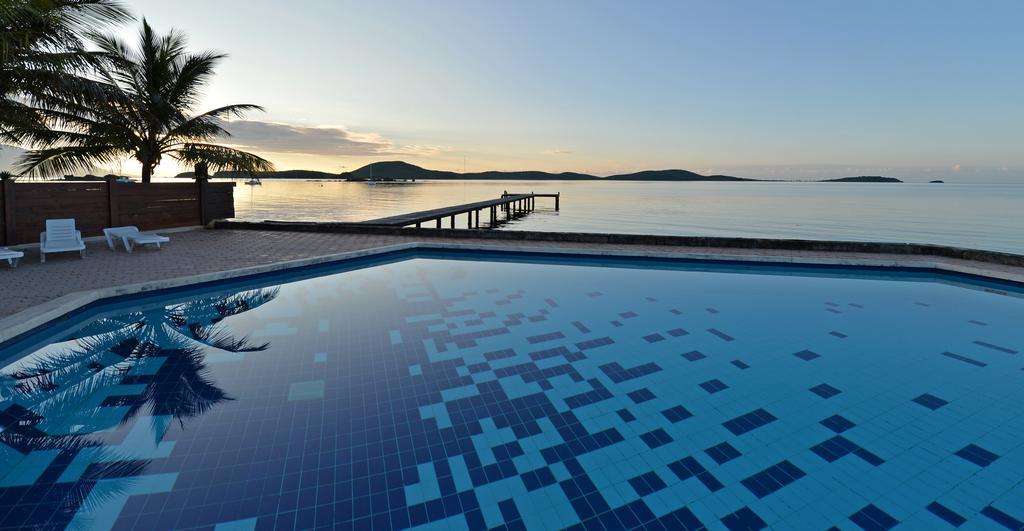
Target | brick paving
(206,251)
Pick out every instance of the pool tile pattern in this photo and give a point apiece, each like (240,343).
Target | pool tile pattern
(424,393)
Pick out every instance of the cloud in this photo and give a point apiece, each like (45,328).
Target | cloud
(558,152)
(956,167)
(273,137)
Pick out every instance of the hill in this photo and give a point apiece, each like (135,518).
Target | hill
(672,175)
(403,170)
(863,179)
(397,169)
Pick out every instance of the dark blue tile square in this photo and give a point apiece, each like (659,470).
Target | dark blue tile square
(713,386)
(931,402)
(825,390)
(656,438)
(838,423)
(806,355)
(977,455)
(641,395)
(946,514)
(722,452)
(743,520)
(647,483)
(871,518)
(694,355)
(1002,518)
(677,414)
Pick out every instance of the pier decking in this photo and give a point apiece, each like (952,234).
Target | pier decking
(513,205)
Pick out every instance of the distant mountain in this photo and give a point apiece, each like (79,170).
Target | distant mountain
(404,170)
(672,175)
(864,179)
(397,169)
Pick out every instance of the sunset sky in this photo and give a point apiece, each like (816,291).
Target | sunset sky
(794,89)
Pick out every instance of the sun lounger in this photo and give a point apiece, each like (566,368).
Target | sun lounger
(60,237)
(130,237)
(12,257)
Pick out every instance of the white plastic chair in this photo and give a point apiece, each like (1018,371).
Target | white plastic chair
(130,237)
(60,237)
(11,256)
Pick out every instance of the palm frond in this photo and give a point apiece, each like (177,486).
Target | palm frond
(221,158)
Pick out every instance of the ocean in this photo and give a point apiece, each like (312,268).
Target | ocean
(980,216)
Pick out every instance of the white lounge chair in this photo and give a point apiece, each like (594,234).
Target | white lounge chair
(60,237)
(130,237)
(12,257)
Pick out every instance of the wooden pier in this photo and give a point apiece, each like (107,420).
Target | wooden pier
(513,206)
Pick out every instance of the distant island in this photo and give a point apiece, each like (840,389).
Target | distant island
(399,170)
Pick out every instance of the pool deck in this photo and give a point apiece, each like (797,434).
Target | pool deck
(33,293)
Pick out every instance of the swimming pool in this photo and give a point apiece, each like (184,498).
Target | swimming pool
(454,390)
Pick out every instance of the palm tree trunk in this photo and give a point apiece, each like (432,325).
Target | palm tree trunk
(147,172)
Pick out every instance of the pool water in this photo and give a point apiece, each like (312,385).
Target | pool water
(486,393)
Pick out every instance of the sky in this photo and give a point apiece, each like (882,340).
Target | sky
(797,89)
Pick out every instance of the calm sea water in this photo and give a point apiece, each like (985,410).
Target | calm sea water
(983,216)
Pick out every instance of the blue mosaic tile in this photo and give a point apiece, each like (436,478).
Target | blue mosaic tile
(641,395)
(837,423)
(656,438)
(425,394)
(677,414)
(647,483)
(1002,518)
(772,479)
(965,359)
(749,421)
(713,386)
(743,520)
(931,402)
(946,514)
(807,355)
(722,452)
(825,390)
(694,355)
(871,518)
(977,455)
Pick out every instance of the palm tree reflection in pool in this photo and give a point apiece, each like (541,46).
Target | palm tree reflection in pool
(48,400)
(107,349)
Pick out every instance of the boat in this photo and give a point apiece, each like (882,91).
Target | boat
(254,182)
(374,182)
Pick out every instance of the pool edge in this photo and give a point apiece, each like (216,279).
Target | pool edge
(31,319)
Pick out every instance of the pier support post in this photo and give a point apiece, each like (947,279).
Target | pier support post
(439,223)
(557,197)
(453,221)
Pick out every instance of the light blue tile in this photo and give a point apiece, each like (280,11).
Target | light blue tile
(311,390)
(247,524)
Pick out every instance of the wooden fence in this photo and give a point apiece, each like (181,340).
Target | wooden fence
(24,207)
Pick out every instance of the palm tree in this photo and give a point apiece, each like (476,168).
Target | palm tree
(43,57)
(145,113)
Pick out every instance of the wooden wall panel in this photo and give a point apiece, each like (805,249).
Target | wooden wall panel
(160,205)
(25,207)
(31,204)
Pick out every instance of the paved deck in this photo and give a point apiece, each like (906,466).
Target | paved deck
(208,251)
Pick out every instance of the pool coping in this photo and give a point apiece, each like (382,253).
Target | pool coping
(41,315)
